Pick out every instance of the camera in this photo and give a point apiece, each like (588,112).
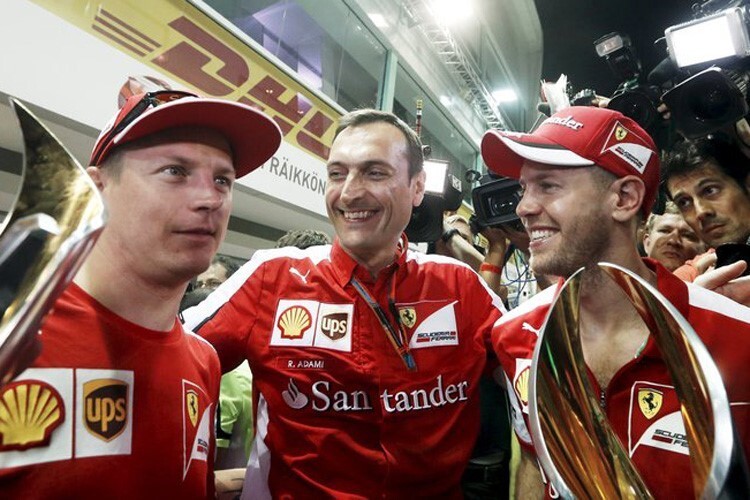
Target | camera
(443,191)
(633,97)
(495,201)
(713,50)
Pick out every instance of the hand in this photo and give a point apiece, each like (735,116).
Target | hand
(725,280)
(705,262)
(497,239)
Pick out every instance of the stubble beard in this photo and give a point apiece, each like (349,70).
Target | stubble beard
(583,245)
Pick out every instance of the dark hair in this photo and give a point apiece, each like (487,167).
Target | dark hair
(230,264)
(367,116)
(303,238)
(687,156)
(194,297)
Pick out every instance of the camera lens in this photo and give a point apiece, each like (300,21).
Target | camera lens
(710,101)
(635,105)
(501,205)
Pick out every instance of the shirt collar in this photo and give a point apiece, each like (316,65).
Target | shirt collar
(344,266)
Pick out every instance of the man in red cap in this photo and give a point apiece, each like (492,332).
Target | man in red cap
(121,401)
(589,175)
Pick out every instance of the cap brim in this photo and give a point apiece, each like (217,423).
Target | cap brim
(505,152)
(253,136)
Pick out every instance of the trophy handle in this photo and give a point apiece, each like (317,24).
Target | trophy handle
(53,224)
(575,444)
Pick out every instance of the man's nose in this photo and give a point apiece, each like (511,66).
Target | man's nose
(704,210)
(206,195)
(674,238)
(527,206)
(352,188)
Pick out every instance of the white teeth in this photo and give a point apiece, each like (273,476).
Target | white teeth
(362,214)
(540,234)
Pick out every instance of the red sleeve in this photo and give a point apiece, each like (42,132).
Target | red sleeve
(227,316)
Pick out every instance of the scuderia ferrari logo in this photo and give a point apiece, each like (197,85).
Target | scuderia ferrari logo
(649,400)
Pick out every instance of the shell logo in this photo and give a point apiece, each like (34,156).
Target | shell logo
(522,385)
(30,410)
(294,322)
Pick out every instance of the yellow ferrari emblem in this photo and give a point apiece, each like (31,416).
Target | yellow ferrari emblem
(650,402)
(408,316)
(620,133)
(192,406)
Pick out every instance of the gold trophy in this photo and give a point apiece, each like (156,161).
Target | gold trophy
(53,224)
(575,445)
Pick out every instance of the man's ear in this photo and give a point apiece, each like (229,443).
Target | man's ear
(646,242)
(96,175)
(419,181)
(629,193)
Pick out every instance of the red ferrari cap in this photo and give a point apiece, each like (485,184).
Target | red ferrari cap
(579,136)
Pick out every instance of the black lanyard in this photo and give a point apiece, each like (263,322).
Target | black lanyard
(396,336)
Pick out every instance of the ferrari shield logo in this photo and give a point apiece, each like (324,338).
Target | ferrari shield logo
(620,133)
(191,401)
(408,316)
(650,402)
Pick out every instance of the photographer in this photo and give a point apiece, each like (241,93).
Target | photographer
(707,181)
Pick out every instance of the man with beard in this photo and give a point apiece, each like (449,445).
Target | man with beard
(708,181)
(588,176)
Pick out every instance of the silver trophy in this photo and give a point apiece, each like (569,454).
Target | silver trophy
(575,445)
(53,224)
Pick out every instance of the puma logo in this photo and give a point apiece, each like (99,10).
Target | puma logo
(528,327)
(301,276)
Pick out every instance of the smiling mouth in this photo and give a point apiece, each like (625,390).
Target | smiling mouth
(357,215)
(538,235)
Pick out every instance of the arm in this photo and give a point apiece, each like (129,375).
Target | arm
(454,245)
(495,257)
(229,483)
(226,317)
(529,482)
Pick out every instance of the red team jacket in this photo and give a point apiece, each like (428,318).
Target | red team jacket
(338,413)
(109,410)
(640,400)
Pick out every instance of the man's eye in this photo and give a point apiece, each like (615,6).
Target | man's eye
(711,190)
(174,170)
(335,175)
(682,203)
(224,181)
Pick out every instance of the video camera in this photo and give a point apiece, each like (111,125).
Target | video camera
(703,81)
(495,201)
(713,48)
(443,191)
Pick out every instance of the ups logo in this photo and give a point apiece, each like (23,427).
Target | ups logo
(334,326)
(106,407)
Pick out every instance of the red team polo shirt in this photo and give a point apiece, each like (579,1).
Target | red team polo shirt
(338,414)
(109,410)
(640,402)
